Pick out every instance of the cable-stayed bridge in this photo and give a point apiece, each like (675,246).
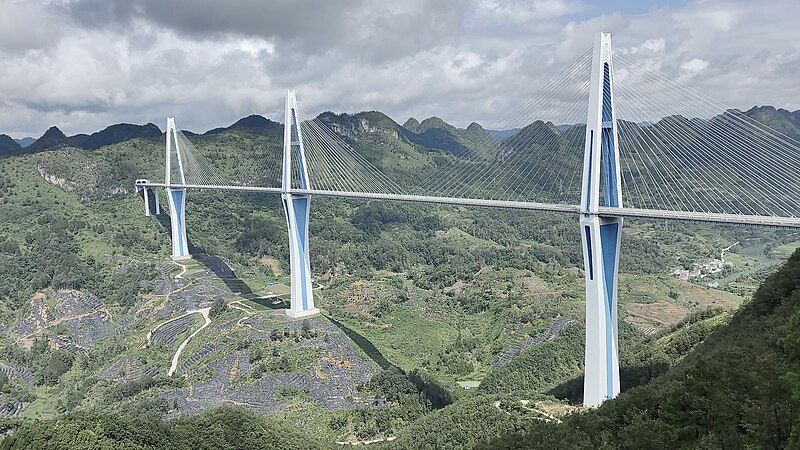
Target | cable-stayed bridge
(609,137)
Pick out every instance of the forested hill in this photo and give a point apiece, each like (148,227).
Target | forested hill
(739,389)
(432,132)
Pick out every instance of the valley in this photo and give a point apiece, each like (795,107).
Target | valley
(426,309)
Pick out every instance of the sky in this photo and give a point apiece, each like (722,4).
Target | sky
(84,64)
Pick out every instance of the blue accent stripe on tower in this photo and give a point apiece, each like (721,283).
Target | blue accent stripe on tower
(589,250)
(608,152)
(608,237)
(301,217)
(589,171)
(177,200)
(295,142)
(607,116)
(609,169)
(301,169)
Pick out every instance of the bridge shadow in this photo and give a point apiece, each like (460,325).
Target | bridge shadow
(225,273)
(630,377)
(271,302)
(366,345)
(221,269)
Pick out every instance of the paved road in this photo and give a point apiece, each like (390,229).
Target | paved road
(204,312)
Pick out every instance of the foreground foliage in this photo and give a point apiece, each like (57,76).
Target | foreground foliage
(223,428)
(739,389)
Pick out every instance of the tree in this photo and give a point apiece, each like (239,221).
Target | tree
(217,308)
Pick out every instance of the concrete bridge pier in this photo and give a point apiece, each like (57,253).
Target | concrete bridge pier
(151,202)
(297,209)
(176,197)
(601,235)
(157,201)
(177,218)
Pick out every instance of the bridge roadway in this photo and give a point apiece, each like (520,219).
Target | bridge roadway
(773,221)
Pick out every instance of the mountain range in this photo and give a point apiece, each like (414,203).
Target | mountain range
(432,132)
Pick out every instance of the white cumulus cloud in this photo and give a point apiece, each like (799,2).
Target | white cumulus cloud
(84,64)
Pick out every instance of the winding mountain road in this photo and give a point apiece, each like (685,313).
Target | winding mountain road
(176,357)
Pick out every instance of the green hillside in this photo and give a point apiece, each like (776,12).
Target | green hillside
(740,388)
(419,301)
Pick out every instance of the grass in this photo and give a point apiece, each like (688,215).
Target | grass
(645,299)
(312,416)
(44,407)
(785,250)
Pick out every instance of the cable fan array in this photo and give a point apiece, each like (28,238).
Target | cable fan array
(541,162)
(334,165)
(246,157)
(679,150)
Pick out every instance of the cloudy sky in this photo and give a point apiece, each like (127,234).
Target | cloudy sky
(84,64)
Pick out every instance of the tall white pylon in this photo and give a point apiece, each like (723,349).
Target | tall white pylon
(176,197)
(601,235)
(297,211)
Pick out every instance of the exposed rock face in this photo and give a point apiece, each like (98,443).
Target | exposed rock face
(356,125)
(83,314)
(75,171)
(54,179)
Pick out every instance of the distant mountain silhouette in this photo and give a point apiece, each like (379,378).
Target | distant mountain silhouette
(499,135)
(251,122)
(787,122)
(26,141)
(8,146)
(51,139)
(411,124)
(114,134)
(477,134)
(432,133)
(78,140)
(435,133)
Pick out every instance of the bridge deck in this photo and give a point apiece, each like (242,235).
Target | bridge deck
(789,222)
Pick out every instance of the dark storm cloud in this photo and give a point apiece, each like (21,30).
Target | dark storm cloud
(278,18)
(373,29)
